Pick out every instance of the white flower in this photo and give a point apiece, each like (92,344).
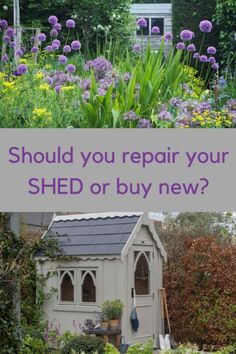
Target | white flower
(5,7)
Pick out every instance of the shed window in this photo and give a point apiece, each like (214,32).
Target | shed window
(88,286)
(151,22)
(67,286)
(142,275)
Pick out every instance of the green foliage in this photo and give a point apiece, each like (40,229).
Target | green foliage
(112,309)
(110,349)
(84,343)
(226,20)
(138,348)
(33,345)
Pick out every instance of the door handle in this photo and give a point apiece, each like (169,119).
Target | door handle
(132,293)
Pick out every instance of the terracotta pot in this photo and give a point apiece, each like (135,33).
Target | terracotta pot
(104,325)
(114,324)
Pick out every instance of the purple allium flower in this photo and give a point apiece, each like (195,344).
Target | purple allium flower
(100,65)
(130,116)
(10,32)
(76,45)
(67,49)
(57,42)
(155,30)
(32,39)
(102,91)
(137,48)
(70,68)
(86,84)
(86,96)
(57,27)
(168,37)
(196,56)
(212,60)
(142,22)
(34,50)
(42,37)
(3,23)
(164,114)
(49,48)
(12,44)
(186,35)
(70,23)
(215,66)
(203,58)
(62,59)
(191,48)
(211,50)
(53,33)
(4,58)
(58,88)
(23,49)
(180,46)
(49,80)
(144,123)
(6,39)
(55,47)
(21,69)
(52,20)
(19,53)
(205,26)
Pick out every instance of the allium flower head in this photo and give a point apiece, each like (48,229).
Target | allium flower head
(191,48)
(32,39)
(75,45)
(205,26)
(58,88)
(142,22)
(53,33)
(21,69)
(155,30)
(49,48)
(70,23)
(34,50)
(215,66)
(211,50)
(12,44)
(186,35)
(62,59)
(212,60)
(130,116)
(3,23)
(71,68)
(180,46)
(57,27)
(42,37)
(19,53)
(196,56)
(86,95)
(52,20)
(137,48)
(144,123)
(67,49)
(203,58)
(6,39)
(5,58)
(10,32)
(57,42)
(55,47)
(168,37)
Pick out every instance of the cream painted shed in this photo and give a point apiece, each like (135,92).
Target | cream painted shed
(107,256)
(156,15)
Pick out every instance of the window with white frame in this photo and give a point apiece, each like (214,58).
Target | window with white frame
(77,286)
(152,22)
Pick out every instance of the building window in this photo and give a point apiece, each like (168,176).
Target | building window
(151,22)
(88,287)
(142,274)
(67,287)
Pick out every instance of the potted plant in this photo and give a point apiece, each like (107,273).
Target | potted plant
(104,322)
(112,310)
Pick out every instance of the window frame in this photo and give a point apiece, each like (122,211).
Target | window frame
(137,256)
(94,278)
(60,279)
(150,17)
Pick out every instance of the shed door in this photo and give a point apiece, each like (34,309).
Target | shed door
(144,282)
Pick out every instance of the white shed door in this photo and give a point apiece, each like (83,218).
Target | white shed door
(143,282)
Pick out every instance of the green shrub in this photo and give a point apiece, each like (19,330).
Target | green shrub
(84,343)
(141,348)
(32,345)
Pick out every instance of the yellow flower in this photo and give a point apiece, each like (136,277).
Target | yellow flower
(44,87)
(23,61)
(8,84)
(48,66)
(2,75)
(39,75)
(67,88)
(41,112)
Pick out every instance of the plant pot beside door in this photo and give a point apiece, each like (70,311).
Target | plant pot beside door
(112,310)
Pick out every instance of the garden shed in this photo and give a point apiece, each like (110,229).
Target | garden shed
(159,15)
(104,256)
